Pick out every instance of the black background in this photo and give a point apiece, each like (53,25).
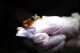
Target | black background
(14,12)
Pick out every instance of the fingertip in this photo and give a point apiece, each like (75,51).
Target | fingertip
(19,28)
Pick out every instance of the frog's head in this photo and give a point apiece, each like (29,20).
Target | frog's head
(30,21)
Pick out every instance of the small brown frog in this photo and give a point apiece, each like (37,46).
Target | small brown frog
(30,21)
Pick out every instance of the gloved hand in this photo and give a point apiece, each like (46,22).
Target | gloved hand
(49,33)
(43,41)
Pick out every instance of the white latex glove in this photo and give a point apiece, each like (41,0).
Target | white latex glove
(57,27)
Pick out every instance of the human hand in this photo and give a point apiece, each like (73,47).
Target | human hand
(43,42)
(50,36)
(51,46)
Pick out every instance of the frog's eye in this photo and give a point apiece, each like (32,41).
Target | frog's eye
(32,18)
(35,17)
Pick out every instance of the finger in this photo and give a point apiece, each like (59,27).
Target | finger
(55,49)
(54,41)
(19,28)
(21,32)
(58,47)
(24,33)
(50,30)
(44,30)
(41,37)
(52,49)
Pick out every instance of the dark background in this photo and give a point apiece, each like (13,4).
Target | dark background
(12,13)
